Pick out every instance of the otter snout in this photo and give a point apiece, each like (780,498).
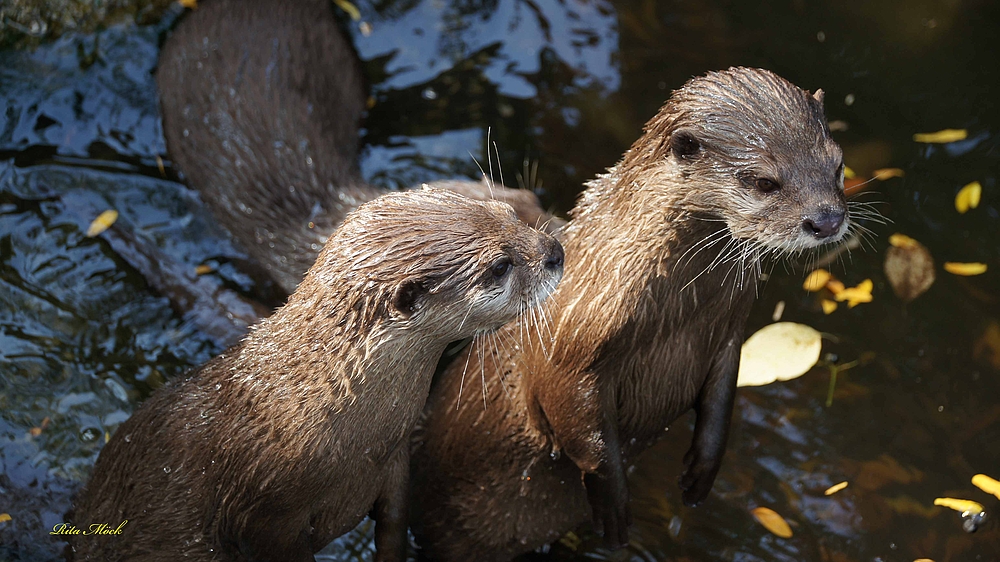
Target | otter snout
(825,223)
(553,251)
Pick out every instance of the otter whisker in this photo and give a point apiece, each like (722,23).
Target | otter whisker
(468,357)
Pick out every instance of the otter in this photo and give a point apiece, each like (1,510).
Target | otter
(261,102)
(286,441)
(663,255)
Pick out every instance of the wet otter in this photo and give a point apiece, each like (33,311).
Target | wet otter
(663,257)
(286,441)
(261,103)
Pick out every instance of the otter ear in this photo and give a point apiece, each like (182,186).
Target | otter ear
(406,296)
(819,95)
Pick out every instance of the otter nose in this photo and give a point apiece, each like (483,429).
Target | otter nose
(824,224)
(554,257)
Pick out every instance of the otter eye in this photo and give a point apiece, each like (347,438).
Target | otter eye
(840,172)
(684,145)
(765,185)
(500,268)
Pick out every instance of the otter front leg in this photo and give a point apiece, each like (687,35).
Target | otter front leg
(607,490)
(714,409)
(391,511)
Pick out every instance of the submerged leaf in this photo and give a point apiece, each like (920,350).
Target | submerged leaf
(816,280)
(102,223)
(778,352)
(965,507)
(835,488)
(909,267)
(946,135)
(986,484)
(965,269)
(887,173)
(968,197)
(772,522)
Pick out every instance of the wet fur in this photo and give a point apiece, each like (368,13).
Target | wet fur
(287,440)
(663,257)
(261,104)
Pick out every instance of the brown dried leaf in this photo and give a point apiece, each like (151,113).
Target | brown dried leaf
(909,267)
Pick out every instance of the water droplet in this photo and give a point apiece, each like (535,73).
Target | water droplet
(128,438)
(429,94)
(555,454)
(166,469)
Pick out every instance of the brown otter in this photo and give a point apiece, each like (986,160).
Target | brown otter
(261,103)
(283,443)
(663,258)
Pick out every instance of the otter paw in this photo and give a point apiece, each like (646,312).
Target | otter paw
(610,509)
(698,477)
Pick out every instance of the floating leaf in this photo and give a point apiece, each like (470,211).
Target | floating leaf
(849,173)
(772,522)
(351,9)
(828,306)
(816,280)
(968,197)
(835,488)
(778,352)
(966,269)
(107,437)
(986,484)
(4,517)
(856,295)
(909,267)
(923,560)
(203,269)
(193,4)
(835,286)
(946,135)
(888,173)
(965,507)
(102,222)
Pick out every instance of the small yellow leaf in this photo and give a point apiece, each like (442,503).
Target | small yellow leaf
(888,173)
(965,507)
(902,241)
(772,522)
(351,9)
(193,4)
(835,488)
(102,223)
(856,295)
(968,197)
(849,173)
(986,484)
(966,269)
(778,352)
(203,269)
(923,560)
(4,517)
(35,431)
(828,306)
(946,135)
(107,437)
(816,280)
(835,286)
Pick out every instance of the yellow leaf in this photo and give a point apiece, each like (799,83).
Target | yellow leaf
(35,431)
(965,507)
(107,437)
(902,241)
(778,352)
(968,197)
(828,306)
(856,295)
(966,269)
(203,269)
(351,9)
(986,484)
(4,517)
(835,286)
(887,173)
(946,135)
(816,280)
(835,488)
(193,4)
(849,173)
(772,522)
(102,222)
(923,560)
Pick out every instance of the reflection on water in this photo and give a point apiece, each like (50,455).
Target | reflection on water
(84,335)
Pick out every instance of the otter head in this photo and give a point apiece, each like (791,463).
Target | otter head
(439,263)
(754,151)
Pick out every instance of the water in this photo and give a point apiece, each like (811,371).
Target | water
(85,335)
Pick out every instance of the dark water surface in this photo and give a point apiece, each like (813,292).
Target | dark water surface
(85,335)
